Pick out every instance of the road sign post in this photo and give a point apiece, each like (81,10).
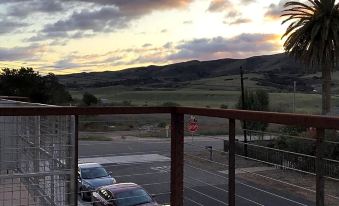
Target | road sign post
(193,126)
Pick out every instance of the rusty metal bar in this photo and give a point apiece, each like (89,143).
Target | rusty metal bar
(231,163)
(76,158)
(177,159)
(320,184)
(317,121)
(48,111)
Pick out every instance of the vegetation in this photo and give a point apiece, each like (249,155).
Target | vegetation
(258,101)
(224,106)
(288,142)
(26,82)
(95,138)
(313,38)
(89,99)
(170,104)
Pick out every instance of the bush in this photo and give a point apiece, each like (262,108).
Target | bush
(258,101)
(170,104)
(26,82)
(162,124)
(89,99)
(126,103)
(224,106)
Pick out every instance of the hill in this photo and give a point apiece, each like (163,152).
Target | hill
(276,71)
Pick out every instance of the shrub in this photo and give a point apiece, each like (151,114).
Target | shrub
(89,99)
(170,104)
(224,106)
(258,101)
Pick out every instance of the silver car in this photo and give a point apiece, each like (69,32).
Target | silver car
(90,177)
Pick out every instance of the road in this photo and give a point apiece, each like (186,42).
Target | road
(147,163)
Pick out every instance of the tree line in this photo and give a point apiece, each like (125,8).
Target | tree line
(25,82)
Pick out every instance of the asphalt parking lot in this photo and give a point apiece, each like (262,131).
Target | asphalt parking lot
(148,164)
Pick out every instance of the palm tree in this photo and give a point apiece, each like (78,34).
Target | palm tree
(313,38)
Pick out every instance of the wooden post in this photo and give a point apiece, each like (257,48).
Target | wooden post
(177,159)
(319,168)
(231,164)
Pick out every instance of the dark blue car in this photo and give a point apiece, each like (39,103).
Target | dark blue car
(90,177)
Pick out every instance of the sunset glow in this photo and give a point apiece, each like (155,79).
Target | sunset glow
(96,35)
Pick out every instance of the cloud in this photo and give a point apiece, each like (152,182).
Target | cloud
(275,10)
(105,16)
(222,5)
(241,45)
(168,45)
(247,1)
(219,5)
(8,26)
(238,21)
(146,45)
(141,6)
(188,22)
(234,17)
(25,8)
(32,53)
(65,64)
(103,19)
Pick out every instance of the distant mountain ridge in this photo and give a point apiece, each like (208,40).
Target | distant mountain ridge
(277,64)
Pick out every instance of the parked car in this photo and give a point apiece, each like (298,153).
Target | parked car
(90,177)
(122,194)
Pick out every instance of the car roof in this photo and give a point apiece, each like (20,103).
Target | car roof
(89,165)
(120,187)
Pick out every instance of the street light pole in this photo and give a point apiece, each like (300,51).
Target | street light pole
(243,106)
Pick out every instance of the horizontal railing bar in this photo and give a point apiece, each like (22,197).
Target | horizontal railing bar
(37,174)
(246,115)
(317,121)
(59,111)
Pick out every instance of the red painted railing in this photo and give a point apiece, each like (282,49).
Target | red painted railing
(177,135)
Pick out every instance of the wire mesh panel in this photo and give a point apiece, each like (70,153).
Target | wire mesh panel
(36,160)
(133,149)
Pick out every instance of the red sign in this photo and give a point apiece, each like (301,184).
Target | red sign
(193,125)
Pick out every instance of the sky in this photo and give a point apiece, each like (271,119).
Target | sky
(72,36)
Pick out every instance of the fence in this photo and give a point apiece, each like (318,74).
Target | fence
(67,164)
(286,159)
(36,159)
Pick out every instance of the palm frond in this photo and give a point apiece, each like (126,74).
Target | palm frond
(313,31)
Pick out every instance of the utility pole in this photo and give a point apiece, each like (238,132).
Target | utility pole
(243,106)
(294,90)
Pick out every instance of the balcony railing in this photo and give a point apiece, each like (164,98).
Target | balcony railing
(177,137)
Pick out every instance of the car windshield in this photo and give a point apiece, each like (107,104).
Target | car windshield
(133,197)
(94,172)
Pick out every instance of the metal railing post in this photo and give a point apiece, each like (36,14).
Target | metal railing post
(319,168)
(76,158)
(231,163)
(177,159)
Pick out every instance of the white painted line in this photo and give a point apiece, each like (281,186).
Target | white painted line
(249,169)
(161,169)
(127,159)
(273,194)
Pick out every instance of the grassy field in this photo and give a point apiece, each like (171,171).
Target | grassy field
(280,102)
(212,92)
